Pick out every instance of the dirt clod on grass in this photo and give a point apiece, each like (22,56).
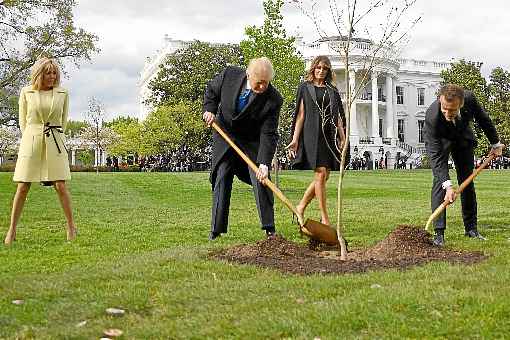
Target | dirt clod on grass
(404,247)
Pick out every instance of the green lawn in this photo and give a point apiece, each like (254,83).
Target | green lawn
(142,247)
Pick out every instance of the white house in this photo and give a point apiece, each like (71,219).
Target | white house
(387,120)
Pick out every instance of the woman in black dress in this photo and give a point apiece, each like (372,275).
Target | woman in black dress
(317,131)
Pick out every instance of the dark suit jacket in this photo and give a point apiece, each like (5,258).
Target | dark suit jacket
(254,129)
(441,135)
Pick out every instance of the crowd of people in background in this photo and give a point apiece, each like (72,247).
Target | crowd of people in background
(500,163)
(182,161)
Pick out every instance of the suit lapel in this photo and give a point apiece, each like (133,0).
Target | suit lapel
(253,95)
(38,105)
(311,90)
(332,102)
(237,84)
(53,95)
(245,110)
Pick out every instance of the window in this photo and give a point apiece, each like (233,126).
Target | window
(401,132)
(400,95)
(380,127)
(421,123)
(421,96)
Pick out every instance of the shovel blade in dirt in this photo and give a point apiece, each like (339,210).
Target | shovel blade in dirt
(320,232)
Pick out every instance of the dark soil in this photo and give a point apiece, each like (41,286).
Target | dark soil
(404,247)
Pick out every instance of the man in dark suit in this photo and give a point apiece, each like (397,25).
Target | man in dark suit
(247,107)
(448,132)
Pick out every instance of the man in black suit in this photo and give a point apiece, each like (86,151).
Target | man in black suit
(247,107)
(448,131)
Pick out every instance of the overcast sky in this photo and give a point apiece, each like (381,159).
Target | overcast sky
(131,30)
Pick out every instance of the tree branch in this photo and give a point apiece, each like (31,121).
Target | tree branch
(17,29)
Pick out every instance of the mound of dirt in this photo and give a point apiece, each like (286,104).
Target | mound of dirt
(404,247)
(405,241)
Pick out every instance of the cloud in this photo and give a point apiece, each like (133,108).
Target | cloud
(111,87)
(132,30)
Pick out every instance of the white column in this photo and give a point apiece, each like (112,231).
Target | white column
(96,157)
(353,118)
(73,157)
(389,106)
(375,105)
(395,122)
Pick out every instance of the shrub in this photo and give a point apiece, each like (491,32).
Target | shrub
(8,167)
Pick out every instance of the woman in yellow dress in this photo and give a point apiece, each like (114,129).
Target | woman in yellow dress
(42,155)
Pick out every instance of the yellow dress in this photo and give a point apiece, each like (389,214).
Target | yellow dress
(42,155)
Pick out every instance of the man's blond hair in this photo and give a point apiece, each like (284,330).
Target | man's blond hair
(260,67)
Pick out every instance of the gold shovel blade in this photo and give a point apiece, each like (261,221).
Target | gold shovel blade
(320,232)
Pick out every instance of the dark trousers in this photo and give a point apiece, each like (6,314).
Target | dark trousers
(230,165)
(464,165)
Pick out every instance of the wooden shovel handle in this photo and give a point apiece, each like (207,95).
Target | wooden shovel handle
(460,189)
(255,168)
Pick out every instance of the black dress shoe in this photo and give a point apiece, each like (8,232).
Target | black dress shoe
(438,240)
(213,235)
(473,233)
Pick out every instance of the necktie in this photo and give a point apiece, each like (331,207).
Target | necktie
(243,99)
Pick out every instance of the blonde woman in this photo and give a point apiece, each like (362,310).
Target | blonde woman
(42,155)
(317,131)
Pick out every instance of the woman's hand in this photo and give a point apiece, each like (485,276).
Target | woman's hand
(292,149)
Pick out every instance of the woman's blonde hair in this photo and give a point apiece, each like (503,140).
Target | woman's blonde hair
(310,74)
(40,67)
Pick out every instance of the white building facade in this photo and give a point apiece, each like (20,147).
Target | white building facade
(388,117)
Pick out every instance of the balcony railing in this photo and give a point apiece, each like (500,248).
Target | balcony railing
(411,149)
(368,96)
(366,140)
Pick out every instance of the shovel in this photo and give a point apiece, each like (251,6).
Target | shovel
(313,229)
(460,189)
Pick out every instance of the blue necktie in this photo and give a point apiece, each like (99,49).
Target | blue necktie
(243,100)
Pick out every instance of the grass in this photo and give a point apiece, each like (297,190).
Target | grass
(142,246)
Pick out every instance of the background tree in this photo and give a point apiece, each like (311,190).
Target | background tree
(31,29)
(185,73)
(176,95)
(74,127)
(380,23)
(499,91)
(8,109)
(468,75)
(9,140)
(86,157)
(96,133)
(130,138)
(173,126)
(271,40)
